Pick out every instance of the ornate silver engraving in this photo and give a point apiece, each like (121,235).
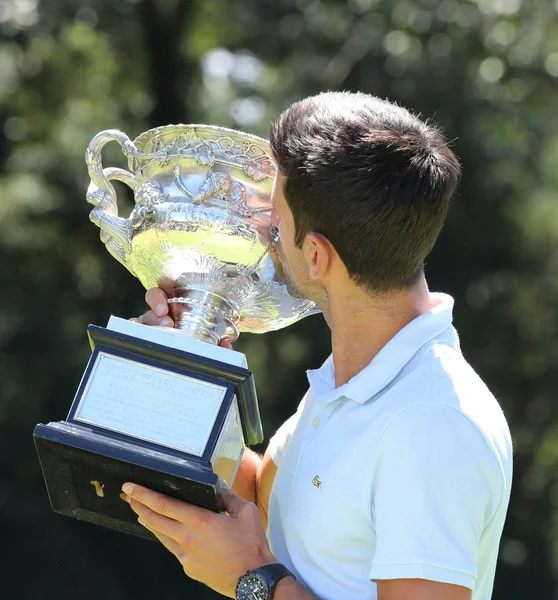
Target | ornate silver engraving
(201,227)
(151,193)
(220,186)
(253,157)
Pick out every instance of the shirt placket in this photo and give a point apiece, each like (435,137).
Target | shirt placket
(314,425)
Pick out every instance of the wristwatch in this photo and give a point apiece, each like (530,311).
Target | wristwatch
(259,584)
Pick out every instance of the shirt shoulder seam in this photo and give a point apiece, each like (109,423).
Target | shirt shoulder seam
(492,453)
(475,427)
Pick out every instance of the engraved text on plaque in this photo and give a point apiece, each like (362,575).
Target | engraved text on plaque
(150,403)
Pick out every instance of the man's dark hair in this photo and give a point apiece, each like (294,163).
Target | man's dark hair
(371,177)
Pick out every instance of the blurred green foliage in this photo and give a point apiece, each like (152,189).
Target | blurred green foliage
(486,70)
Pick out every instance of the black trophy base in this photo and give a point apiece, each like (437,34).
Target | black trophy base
(136,405)
(84,478)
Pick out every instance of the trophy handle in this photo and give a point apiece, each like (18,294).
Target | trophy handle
(115,231)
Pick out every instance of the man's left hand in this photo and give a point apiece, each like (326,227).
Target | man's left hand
(213,548)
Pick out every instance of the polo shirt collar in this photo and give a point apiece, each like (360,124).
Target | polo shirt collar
(390,360)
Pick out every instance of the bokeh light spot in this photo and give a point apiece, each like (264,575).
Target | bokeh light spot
(492,69)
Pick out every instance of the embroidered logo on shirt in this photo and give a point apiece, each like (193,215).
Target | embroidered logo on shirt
(316,482)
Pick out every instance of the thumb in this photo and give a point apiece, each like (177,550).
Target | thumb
(231,502)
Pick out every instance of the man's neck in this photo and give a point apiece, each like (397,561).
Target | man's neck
(361,325)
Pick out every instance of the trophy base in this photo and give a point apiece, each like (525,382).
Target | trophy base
(84,476)
(159,416)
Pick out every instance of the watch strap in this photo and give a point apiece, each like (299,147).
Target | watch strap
(272,574)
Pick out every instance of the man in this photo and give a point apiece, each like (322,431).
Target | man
(392,480)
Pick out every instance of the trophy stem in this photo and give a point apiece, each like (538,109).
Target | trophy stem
(204,315)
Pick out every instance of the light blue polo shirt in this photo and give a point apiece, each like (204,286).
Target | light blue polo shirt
(403,472)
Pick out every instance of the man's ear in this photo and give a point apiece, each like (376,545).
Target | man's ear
(319,255)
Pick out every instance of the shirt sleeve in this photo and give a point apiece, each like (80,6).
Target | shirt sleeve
(436,484)
(279,441)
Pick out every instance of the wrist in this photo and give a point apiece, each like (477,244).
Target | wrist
(284,586)
(263,559)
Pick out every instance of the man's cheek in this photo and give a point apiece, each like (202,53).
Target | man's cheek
(281,254)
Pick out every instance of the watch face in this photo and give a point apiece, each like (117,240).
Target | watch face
(252,586)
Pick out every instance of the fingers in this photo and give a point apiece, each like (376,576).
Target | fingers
(150,318)
(172,546)
(189,515)
(157,301)
(157,523)
(225,344)
(159,313)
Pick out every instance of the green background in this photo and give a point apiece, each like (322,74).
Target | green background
(486,70)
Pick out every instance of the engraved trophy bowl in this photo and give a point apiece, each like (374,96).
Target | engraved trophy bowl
(200,228)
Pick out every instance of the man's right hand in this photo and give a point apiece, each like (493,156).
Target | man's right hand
(159,313)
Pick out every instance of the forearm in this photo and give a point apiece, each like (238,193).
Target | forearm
(245,481)
(289,589)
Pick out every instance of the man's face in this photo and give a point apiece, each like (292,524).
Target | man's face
(295,272)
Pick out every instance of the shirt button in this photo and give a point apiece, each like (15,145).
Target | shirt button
(316,423)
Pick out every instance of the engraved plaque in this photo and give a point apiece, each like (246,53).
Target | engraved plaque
(151,404)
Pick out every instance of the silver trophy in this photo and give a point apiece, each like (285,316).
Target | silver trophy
(169,408)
